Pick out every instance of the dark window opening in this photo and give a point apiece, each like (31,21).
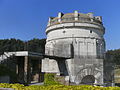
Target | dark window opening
(64,31)
(90,31)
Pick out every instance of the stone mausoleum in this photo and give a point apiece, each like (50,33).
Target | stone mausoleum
(76,45)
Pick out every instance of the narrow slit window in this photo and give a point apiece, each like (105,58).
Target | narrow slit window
(90,31)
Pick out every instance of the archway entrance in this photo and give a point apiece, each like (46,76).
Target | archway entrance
(88,79)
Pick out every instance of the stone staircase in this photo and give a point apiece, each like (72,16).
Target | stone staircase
(5,56)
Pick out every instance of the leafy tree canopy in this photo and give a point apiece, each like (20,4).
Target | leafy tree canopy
(113,56)
(34,45)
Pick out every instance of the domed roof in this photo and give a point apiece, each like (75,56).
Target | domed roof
(72,15)
(55,18)
(75,17)
(68,15)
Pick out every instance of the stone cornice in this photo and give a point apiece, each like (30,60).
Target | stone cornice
(75,25)
(75,37)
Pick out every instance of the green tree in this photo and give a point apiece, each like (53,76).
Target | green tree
(36,45)
(113,56)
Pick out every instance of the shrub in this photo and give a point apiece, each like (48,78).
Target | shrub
(56,87)
(50,79)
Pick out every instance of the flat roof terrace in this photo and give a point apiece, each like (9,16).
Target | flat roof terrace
(25,53)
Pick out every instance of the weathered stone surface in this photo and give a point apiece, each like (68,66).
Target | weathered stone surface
(80,37)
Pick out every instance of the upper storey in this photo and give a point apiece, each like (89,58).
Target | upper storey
(75,17)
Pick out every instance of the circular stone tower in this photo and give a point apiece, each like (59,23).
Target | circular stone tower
(75,47)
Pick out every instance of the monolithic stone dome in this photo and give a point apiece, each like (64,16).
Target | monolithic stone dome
(75,17)
(72,15)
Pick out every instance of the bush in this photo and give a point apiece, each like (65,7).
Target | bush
(56,87)
(50,79)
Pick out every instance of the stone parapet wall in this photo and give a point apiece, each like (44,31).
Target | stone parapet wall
(74,17)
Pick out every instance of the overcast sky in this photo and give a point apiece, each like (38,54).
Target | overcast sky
(27,19)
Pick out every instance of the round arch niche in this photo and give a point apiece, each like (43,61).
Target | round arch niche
(88,79)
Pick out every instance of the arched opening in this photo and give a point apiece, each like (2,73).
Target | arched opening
(88,79)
